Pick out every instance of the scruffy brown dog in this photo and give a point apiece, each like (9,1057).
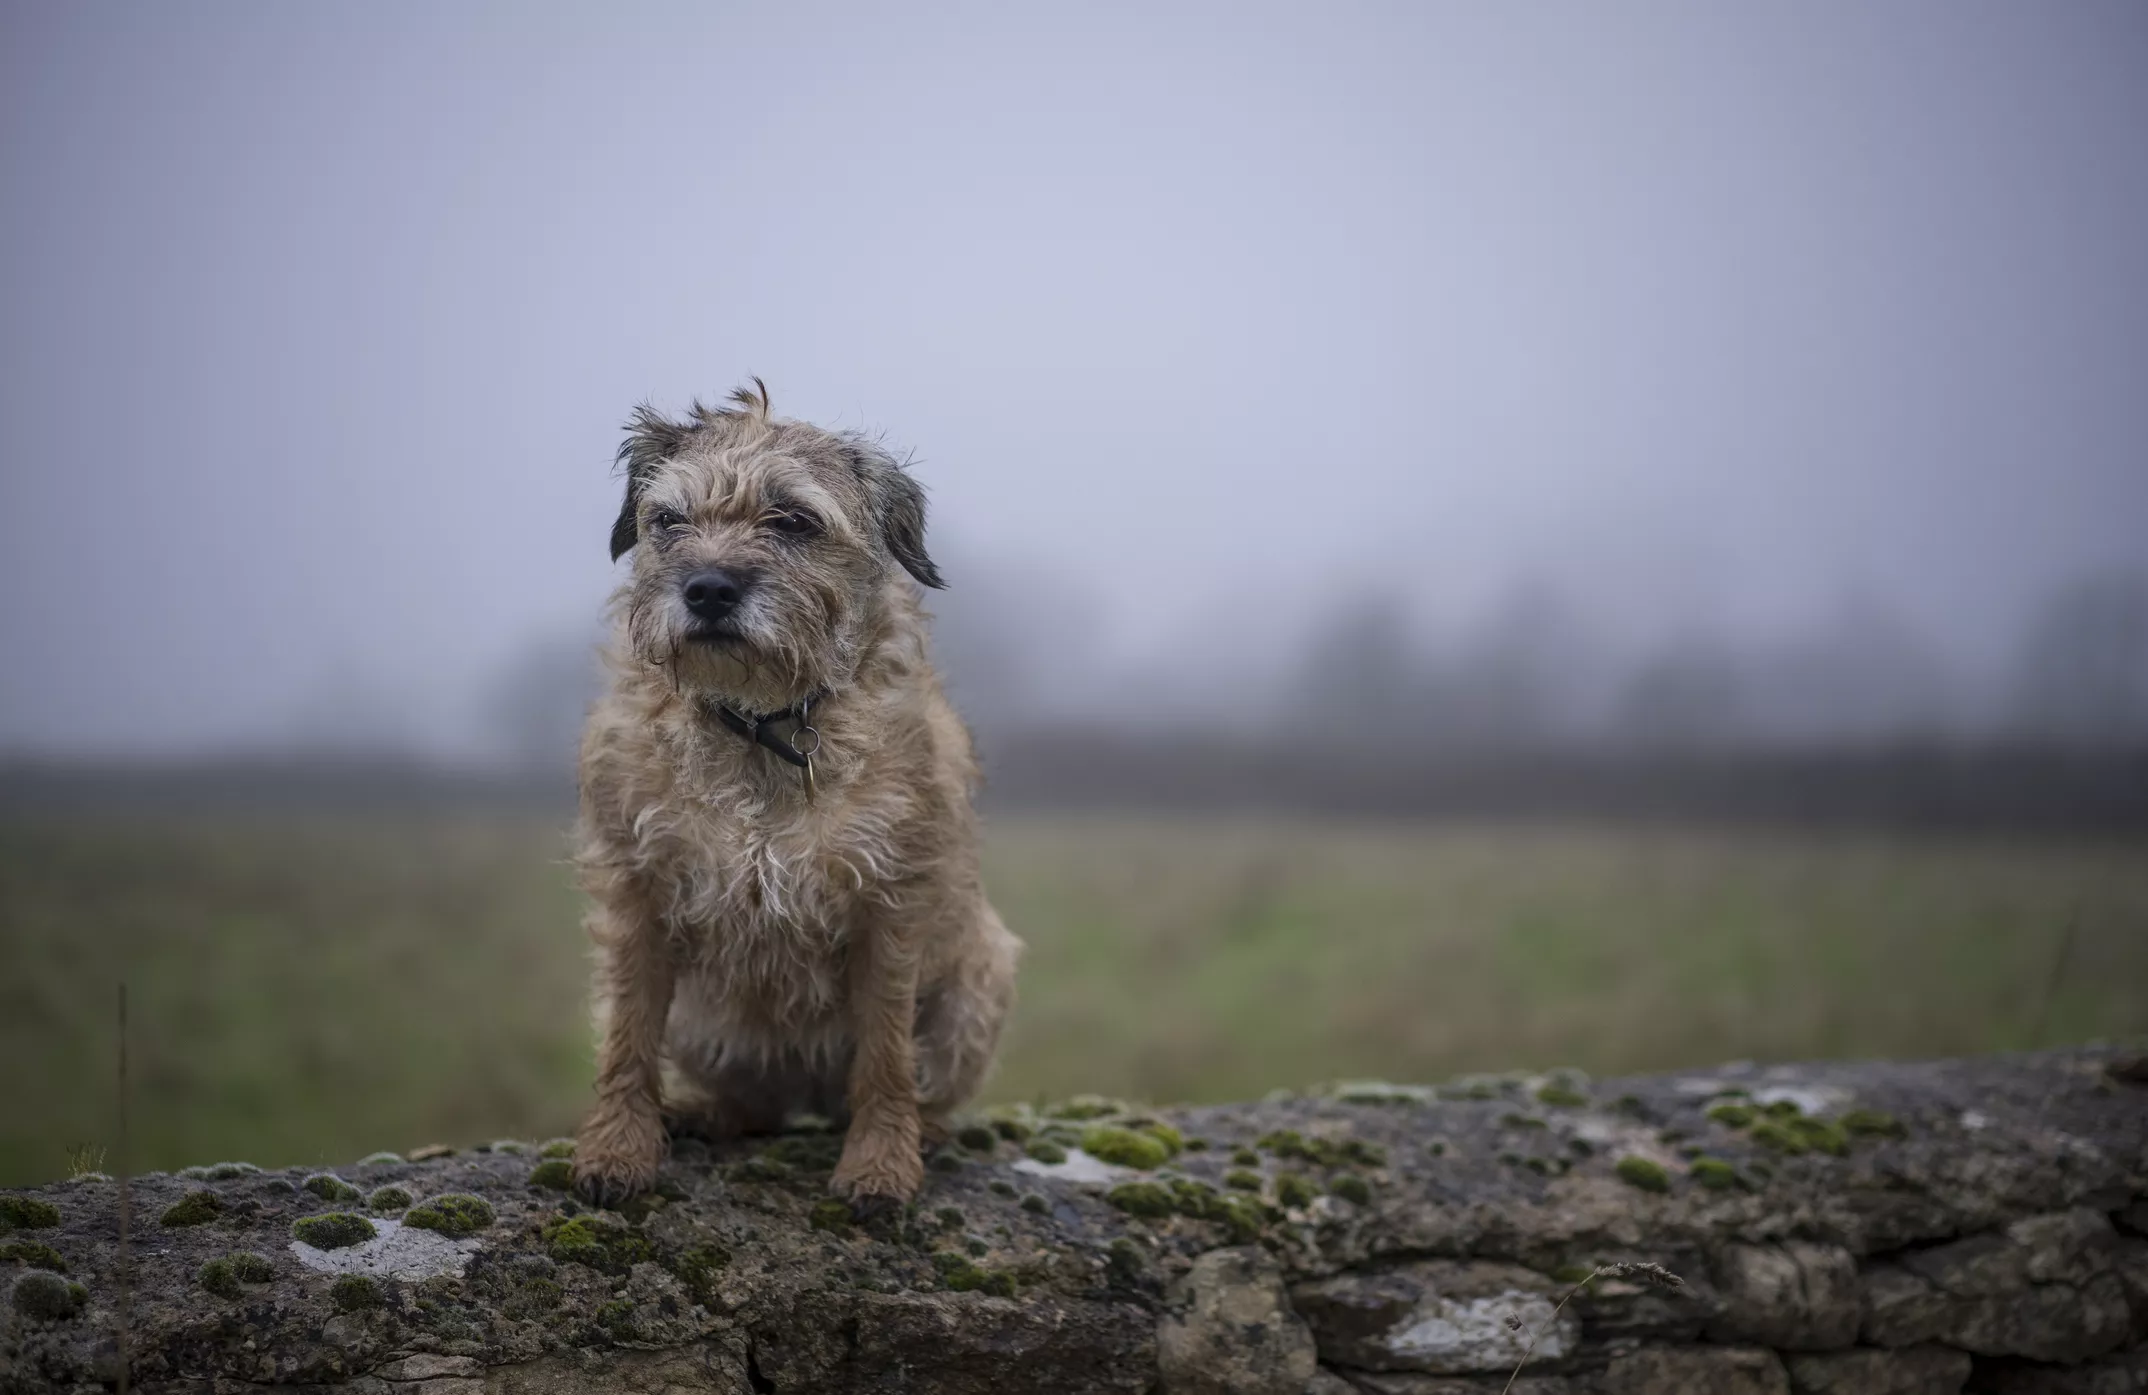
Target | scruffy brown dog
(776,831)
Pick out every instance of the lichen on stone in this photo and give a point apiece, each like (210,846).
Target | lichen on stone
(34,1254)
(333,1230)
(48,1297)
(329,1187)
(195,1208)
(557,1174)
(355,1293)
(454,1214)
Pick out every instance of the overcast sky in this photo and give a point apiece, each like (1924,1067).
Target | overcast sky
(319,320)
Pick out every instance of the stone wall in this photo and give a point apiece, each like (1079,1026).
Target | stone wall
(1976,1225)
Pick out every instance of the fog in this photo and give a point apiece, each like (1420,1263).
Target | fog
(1676,372)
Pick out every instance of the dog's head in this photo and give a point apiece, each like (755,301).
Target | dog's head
(763,549)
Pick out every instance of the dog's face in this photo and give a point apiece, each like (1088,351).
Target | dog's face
(762,549)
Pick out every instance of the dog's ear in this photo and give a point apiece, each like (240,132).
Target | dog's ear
(651,439)
(898,504)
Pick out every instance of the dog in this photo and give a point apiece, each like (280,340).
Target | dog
(776,832)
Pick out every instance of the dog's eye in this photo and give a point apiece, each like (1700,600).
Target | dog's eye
(664,520)
(795,524)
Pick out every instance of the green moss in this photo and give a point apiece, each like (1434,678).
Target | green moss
(333,1230)
(1732,1114)
(697,1268)
(1820,1135)
(945,1160)
(1522,1121)
(1000,1186)
(1581,1147)
(533,1298)
(950,1218)
(1437,1147)
(1547,1167)
(1353,1188)
(1087,1107)
(594,1242)
(1644,1173)
(556,1174)
(557,1148)
(1782,1109)
(617,1317)
(48,1297)
(1242,1179)
(389,1198)
(1294,1191)
(354,1293)
(1123,1262)
(759,1168)
(1035,1202)
(1872,1122)
(1142,1199)
(329,1187)
(380,1159)
(28,1213)
(960,1274)
(978,1138)
(195,1208)
(1714,1174)
(250,1267)
(829,1214)
(1196,1145)
(1046,1151)
(229,1171)
(1124,1147)
(816,1152)
(1245,1157)
(1163,1133)
(35,1255)
(216,1276)
(1325,1152)
(1561,1096)
(452,1214)
(977,1245)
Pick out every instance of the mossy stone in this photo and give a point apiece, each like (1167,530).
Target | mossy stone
(698,1267)
(1035,1203)
(829,1214)
(557,1148)
(1242,1179)
(1782,1109)
(1713,1173)
(595,1243)
(960,1274)
(1124,1262)
(1000,1186)
(1731,1114)
(355,1293)
(28,1213)
(48,1297)
(1560,1096)
(1872,1122)
(1294,1191)
(34,1254)
(195,1208)
(453,1214)
(250,1267)
(1125,1147)
(1820,1135)
(329,1187)
(1046,1151)
(1352,1188)
(389,1198)
(1151,1199)
(1086,1107)
(978,1138)
(1245,1157)
(557,1174)
(333,1230)
(1645,1173)
(215,1275)
(231,1171)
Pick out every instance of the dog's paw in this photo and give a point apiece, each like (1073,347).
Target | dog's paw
(872,1172)
(616,1159)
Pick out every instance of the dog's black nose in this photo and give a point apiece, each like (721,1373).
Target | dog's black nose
(714,593)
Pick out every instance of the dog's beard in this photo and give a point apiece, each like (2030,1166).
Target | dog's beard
(746,662)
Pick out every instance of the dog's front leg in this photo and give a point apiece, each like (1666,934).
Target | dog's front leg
(621,1144)
(880,1166)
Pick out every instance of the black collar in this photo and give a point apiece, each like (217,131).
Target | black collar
(797,747)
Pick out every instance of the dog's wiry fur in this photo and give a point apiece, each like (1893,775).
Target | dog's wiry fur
(837,955)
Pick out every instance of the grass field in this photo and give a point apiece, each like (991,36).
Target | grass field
(309,990)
